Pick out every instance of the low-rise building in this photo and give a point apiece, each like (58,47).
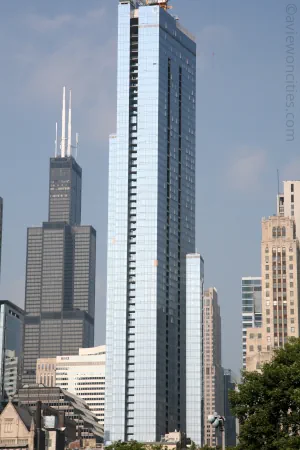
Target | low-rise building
(82,375)
(17,428)
(46,428)
(74,408)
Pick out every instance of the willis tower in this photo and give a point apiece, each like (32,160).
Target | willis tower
(60,266)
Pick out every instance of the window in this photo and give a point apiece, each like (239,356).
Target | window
(293,329)
(268,329)
(291,267)
(274,232)
(8,427)
(267,276)
(267,285)
(292,198)
(291,284)
(259,348)
(292,320)
(267,259)
(291,258)
(267,267)
(283,232)
(292,187)
(251,336)
(251,348)
(268,312)
(292,312)
(259,335)
(267,250)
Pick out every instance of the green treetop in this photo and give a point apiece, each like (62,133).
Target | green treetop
(267,404)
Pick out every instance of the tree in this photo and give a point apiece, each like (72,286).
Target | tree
(267,404)
(134,445)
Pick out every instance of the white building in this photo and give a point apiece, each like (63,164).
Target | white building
(83,375)
(194,347)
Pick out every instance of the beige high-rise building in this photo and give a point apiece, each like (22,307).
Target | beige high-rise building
(288,203)
(280,291)
(46,371)
(213,372)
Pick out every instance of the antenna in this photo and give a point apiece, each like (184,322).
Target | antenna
(56,140)
(77,144)
(69,152)
(63,128)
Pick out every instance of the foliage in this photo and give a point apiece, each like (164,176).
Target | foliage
(206,447)
(267,404)
(133,445)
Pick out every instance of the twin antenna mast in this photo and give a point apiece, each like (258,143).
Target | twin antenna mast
(66,146)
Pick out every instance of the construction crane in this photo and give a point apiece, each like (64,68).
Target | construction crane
(162,3)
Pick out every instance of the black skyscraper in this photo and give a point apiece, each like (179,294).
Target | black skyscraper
(60,272)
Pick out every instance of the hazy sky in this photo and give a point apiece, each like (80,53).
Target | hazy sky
(240,129)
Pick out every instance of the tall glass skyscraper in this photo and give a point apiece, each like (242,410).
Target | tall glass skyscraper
(194,348)
(151,225)
(60,273)
(252,308)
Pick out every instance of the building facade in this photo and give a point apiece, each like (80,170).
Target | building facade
(280,291)
(82,375)
(194,348)
(46,371)
(252,308)
(74,408)
(280,280)
(11,346)
(288,203)
(17,428)
(213,371)
(230,427)
(60,273)
(151,223)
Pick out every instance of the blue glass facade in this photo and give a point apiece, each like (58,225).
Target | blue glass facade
(194,346)
(11,343)
(252,308)
(151,225)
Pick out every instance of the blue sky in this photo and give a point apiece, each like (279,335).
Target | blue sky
(240,130)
